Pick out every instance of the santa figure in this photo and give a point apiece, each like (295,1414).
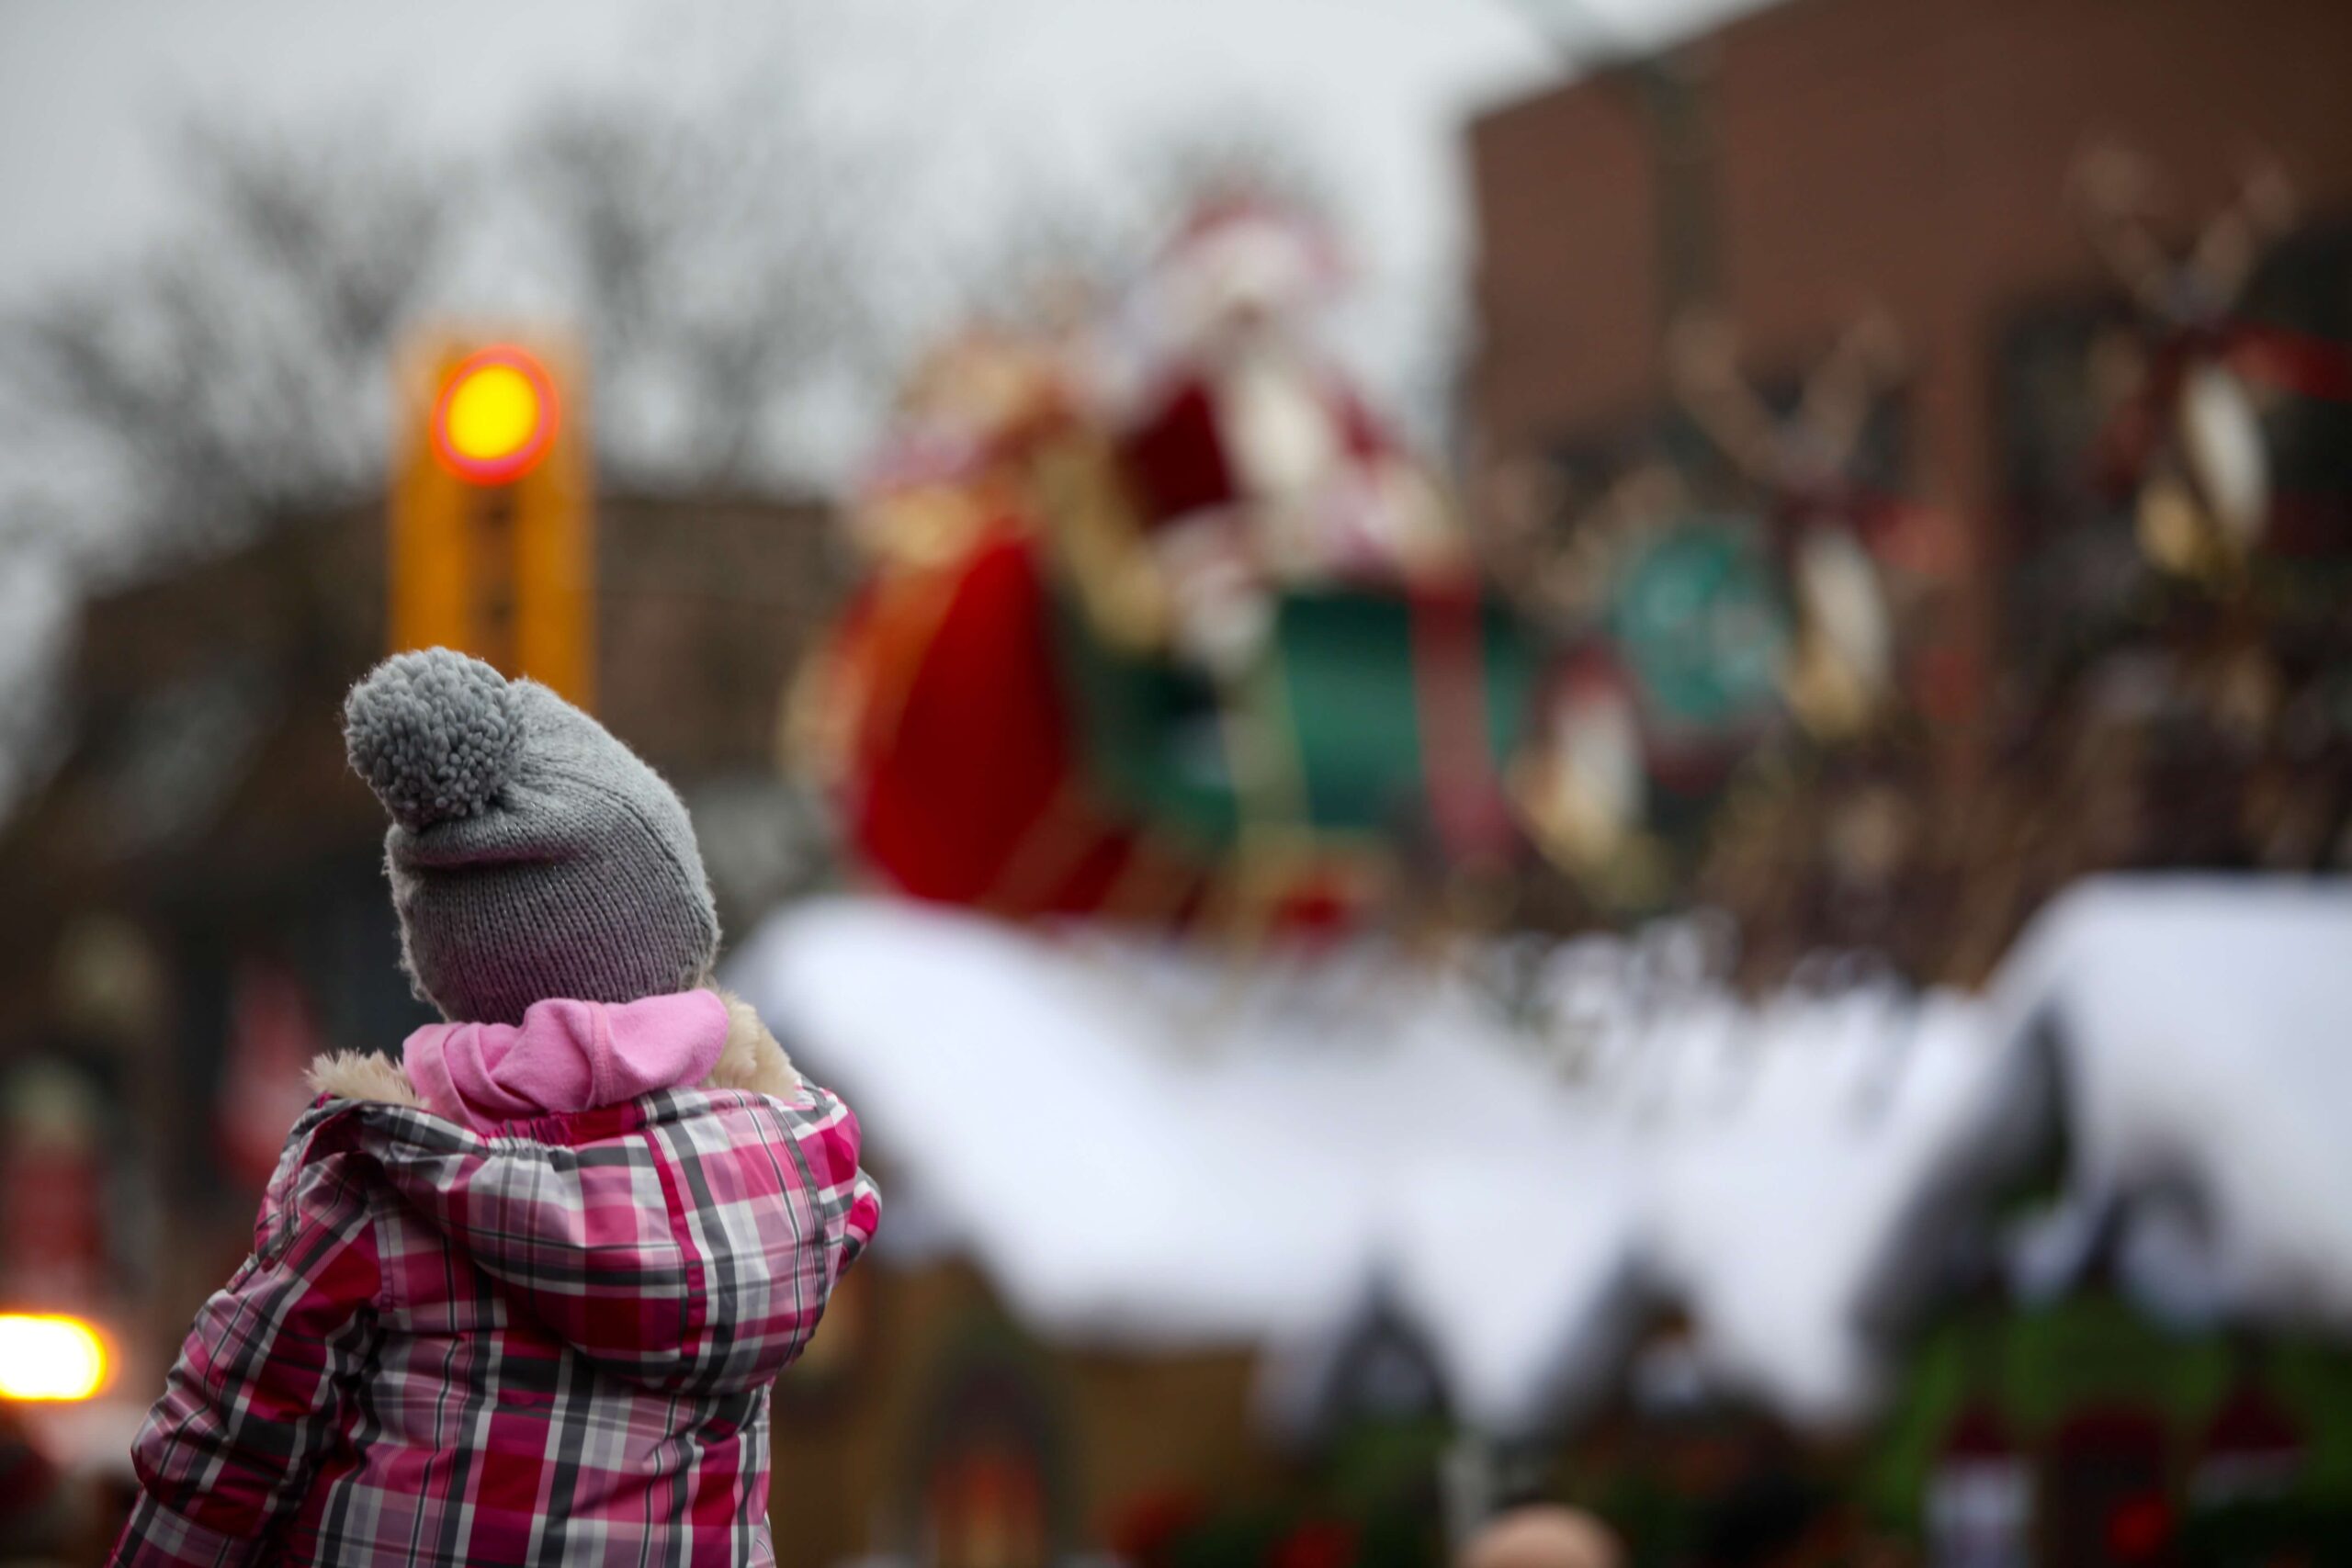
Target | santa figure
(1253,461)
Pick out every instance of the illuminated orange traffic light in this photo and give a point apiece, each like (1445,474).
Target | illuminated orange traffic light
(492,525)
(496,416)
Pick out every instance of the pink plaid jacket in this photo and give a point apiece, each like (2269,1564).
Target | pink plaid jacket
(551,1345)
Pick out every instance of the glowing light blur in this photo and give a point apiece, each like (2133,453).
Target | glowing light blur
(50,1356)
(495,417)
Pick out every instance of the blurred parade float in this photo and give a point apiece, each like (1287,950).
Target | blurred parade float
(1190,642)
(1161,621)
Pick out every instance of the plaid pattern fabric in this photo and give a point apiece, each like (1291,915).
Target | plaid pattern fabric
(550,1345)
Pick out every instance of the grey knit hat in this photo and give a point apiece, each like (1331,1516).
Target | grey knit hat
(531,854)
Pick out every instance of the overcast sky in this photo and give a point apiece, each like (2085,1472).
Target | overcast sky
(90,90)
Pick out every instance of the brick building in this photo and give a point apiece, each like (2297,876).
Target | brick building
(1823,156)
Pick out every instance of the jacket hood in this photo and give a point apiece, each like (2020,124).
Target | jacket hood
(685,1240)
(565,1055)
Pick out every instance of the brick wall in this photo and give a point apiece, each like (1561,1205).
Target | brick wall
(1904,153)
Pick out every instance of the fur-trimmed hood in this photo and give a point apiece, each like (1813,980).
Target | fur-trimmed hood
(750,1060)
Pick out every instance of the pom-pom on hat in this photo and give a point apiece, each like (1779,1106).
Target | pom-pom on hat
(531,854)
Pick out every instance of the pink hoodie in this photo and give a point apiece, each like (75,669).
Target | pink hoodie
(564,1056)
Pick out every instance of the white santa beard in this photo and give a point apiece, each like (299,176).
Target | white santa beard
(1277,424)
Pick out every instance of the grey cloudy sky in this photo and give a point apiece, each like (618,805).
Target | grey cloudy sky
(90,90)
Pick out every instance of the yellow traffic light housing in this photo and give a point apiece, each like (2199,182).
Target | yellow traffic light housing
(492,517)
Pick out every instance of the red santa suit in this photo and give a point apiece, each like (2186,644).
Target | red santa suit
(1253,461)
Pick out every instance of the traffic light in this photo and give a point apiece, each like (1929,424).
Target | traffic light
(492,512)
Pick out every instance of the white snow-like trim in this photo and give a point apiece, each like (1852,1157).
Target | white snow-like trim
(1146,1148)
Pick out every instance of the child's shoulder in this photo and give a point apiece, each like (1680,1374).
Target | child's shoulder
(363,1078)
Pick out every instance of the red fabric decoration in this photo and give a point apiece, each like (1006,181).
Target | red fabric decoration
(962,774)
(1177,456)
(964,784)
